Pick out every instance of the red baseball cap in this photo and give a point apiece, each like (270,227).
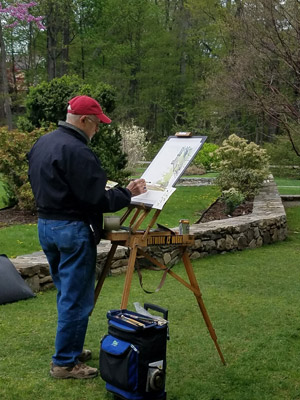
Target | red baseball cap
(85,105)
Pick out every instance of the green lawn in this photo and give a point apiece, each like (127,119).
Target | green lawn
(252,298)
(288,186)
(17,240)
(185,202)
(295,190)
(287,182)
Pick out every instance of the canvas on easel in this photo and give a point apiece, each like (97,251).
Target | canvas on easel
(166,168)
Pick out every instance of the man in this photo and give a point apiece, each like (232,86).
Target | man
(68,184)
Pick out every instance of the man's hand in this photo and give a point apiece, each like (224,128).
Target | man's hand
(138,186)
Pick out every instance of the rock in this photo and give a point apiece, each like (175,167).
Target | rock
(195,255)
(209,245)
(46,279)
(229,242)
(167,258)
(242,242)
(119,263)
(34,283)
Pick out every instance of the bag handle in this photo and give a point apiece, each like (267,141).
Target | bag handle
(155,307)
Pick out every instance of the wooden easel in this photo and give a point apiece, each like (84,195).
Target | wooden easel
(135,240)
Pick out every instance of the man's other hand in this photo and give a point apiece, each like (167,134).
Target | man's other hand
(136,187)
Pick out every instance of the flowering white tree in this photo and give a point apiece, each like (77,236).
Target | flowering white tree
(10,16)
(134,143)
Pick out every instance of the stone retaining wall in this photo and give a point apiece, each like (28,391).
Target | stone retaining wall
(267,224)
(195,181)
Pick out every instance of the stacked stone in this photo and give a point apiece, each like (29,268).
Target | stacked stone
(34,269)
(119,263)
(195,181)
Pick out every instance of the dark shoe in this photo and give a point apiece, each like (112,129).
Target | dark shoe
(85,356)
(78,371)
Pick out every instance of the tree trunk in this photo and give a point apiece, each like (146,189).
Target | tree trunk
(4,83)
(65,38)
(82,49)
(13,69)
(51,54)
(65,50)
(52,17)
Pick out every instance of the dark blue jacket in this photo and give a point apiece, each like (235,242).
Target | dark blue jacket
(68,181)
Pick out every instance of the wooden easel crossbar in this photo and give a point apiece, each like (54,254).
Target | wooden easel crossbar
(136,240)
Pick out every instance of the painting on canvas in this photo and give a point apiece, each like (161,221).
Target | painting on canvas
(166,168)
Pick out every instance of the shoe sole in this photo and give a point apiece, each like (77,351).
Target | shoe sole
(73,376)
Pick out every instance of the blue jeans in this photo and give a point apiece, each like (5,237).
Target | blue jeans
(71,253)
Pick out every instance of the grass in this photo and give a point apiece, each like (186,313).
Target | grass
(17,240)
(287,182)
(288,186)
(186,202)
(252,298)
(295,190)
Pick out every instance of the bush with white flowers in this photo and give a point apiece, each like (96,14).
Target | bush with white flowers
(242,165)
(134,143)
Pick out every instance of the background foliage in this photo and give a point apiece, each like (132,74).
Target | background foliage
(206,157)
(176,65)
(45,104)
(212,67)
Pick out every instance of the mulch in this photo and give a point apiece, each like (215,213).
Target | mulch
(12,216)
(217,211)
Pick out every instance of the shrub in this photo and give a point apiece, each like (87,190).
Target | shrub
(242,165)
(24,125)
(206,157)
(13,165)
(195,170)
(107,145)
(134,143)
(47,102)
(232,198)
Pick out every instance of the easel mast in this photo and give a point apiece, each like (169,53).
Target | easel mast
(135,240)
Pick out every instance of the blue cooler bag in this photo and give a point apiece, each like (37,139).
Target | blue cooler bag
(133,356)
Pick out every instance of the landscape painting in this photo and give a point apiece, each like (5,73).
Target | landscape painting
(166,168)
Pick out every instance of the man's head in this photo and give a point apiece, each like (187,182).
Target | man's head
(86,113)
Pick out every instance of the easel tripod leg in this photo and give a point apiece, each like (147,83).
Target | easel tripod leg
(128,278)
(198,295)
(104,272)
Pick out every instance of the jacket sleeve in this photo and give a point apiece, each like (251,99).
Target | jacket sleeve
(87,181)
(115,199)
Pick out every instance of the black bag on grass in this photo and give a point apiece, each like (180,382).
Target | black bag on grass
(12,285)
